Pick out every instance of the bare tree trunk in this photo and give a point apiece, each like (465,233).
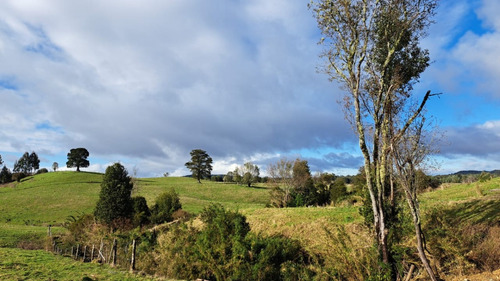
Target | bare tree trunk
(419,235)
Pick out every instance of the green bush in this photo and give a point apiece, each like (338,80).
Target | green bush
(18,176)
(338,191)
(165,205)
(42,171)
(141,211)
(223,249)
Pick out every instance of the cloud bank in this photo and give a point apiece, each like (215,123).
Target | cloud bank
(146,82)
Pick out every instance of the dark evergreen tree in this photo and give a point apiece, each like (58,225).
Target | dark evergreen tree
(5,175)
(200,164)
(115,201)
(77,157)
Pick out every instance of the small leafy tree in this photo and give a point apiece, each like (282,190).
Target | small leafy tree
(228,177)
(55,166)
(281,178)
(77,157)
(200,164)
(115,200)
(166,204)
(247,174)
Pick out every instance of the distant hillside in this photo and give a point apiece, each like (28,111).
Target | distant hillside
(475,172)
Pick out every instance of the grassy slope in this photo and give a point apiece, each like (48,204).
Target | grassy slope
(472,203)
(17,264)
(28,207)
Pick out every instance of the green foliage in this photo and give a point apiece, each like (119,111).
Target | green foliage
(200,164)
(115,201)
(18,176)
(484,176)
(165,205)
(224,250)
(338,191)
(141,211)
(5,175)
(78,226)
(77,157)
(27,163)
(42,171)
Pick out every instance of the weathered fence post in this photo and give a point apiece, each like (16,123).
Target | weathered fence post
(92,253)
(84,252)
(113,250)
(101,255)
(49,232)
(132,260)
(77,251)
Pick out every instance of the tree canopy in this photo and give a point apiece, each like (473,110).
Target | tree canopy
(77,157)
(28,163)
(200,164)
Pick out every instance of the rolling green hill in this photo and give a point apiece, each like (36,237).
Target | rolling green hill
(28,207)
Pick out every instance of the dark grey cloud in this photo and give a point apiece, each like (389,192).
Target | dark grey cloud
(477,140)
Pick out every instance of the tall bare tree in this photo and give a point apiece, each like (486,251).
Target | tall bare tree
(409,154)
(372,49)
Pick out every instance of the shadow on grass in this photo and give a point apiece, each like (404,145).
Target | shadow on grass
(477,211)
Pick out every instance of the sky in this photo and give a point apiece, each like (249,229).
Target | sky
(145,82)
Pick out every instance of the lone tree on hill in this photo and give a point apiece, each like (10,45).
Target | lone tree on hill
(77,157)
(372,49)
(115,201)
(200,164)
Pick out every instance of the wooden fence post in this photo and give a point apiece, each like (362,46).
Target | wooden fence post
(101,255)
(77,249)
(92,253)
(132,260)
(84,252)
(113,250)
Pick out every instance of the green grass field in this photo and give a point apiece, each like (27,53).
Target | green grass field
(29,207)
(17,264)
